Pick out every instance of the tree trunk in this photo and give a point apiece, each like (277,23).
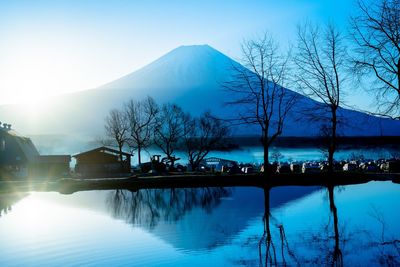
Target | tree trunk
(194,165)
(139,157)
(120,156)
(332,142)
(267,169)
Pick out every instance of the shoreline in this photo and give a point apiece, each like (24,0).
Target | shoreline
(71,185)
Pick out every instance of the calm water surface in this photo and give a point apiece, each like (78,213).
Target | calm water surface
(354,225)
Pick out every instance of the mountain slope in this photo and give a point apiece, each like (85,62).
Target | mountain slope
(191,76)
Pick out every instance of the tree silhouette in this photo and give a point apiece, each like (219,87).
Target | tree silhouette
(259,90)
(320,61)
(376,32)
(141,120)
(203,135)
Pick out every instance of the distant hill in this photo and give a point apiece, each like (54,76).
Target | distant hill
(191,76)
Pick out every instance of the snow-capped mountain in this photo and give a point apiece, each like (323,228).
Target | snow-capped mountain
(190,76)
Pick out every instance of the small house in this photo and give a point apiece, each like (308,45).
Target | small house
(103,162)
(19,158)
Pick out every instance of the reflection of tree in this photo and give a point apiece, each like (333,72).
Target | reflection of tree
(388,246)
(324,246)
(149,206)
(273,257)
(7,200)
(321,241)
(336,257)
(282,254)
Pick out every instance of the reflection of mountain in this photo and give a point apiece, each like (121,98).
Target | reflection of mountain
(7,200)
(200,218)
(191,76)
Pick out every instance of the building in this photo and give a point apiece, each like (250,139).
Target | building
(19,158)
(16,153)
(218,164)
(51,166)
(103,162)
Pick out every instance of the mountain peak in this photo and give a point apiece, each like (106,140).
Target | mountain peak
(194,52)
(195,48)
(183,66)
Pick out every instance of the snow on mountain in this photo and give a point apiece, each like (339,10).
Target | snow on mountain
(190,76)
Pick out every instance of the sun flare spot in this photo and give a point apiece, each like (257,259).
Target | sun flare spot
(34,216)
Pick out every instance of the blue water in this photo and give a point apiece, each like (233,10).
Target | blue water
(202,227)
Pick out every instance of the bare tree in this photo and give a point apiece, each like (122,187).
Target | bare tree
(320,61)
(116,127)
(141,119)
(170,128)
(203,135)
(259,89)
(376,31)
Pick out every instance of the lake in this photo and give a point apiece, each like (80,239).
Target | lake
(355,225)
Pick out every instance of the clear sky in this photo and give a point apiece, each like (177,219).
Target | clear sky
(50,47)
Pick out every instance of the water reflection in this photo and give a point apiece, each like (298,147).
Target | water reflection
(331,241)
(269,252)
(327,240)
(278,252)
(335,257)
(387,245)
(295,226)
(9,199)
(147,207)
(196,218)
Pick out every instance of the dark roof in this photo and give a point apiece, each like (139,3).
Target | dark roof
(18,146)
(102,149)
(27,147)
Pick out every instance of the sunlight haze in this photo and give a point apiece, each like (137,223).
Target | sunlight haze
(49,47)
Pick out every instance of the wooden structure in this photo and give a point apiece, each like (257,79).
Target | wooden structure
(51,166)
(19,158)
(103,162)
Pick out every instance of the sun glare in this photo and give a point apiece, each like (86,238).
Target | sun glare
(34,69)
(37,215)
(34,213)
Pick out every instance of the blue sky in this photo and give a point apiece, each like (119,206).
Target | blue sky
(51,47)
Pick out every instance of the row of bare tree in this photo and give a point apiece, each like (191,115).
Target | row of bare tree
(141,124)
(321,67)
(318,72)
